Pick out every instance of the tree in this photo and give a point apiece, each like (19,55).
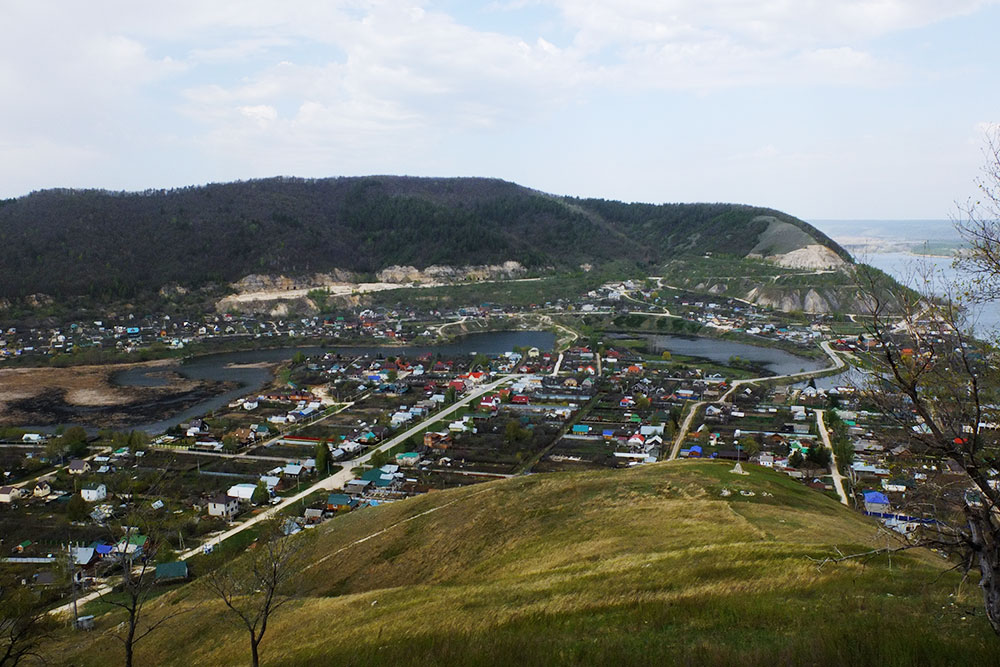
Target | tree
(260,494)
(819,456)
(749,445)
(138,536)
(24,624)
(322,457)
(940,384)
(76,508)
(449,396)
(796,460)
(260,582)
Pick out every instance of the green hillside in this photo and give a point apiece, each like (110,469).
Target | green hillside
(109,245)
(643,566)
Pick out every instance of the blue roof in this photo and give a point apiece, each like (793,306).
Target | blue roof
(876,497)
(695,448)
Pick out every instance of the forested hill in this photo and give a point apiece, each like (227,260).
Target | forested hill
(111,245)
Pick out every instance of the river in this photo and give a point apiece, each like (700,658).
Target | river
(910,270)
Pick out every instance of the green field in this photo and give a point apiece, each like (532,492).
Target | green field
(643,566)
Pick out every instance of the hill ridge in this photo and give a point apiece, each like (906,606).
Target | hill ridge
(105,244)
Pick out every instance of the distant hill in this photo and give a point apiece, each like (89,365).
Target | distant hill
(650,565)
(117,245)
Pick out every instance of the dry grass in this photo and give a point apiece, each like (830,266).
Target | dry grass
(649,564)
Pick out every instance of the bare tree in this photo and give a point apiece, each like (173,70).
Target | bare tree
(24,623)
(137,538)
(258,583)
(942,386)
(979,224)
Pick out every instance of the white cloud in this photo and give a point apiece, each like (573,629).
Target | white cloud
(348,86)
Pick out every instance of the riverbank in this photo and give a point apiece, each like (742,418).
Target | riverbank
(91,397)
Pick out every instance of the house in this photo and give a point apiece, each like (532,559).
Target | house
(270,481)
(9,494)
(242,492)
(694,452)
(357,486)
(293,470)
(42,489)
(93,493)
(176,571)
(84,556)
(132,545)
(437,440)
(78,467)
(876,502)
(408,458)
(336,502)
(224,505)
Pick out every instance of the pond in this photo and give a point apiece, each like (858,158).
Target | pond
(777,361)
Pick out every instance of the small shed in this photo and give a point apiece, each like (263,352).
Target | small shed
(176,571)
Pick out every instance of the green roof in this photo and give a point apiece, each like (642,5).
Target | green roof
(372,475)
(339,499)
(175,570)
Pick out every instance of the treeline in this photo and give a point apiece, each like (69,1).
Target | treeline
(113,245)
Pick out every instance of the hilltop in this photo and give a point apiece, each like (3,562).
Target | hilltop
(114,245)
(639,566)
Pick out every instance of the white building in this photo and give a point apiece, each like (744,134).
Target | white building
(93,493)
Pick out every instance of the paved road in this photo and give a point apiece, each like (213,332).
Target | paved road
(838,363)
(335,481)
(346,473)
(838,479)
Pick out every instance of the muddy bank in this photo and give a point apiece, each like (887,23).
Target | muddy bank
(51,407)
(89,396)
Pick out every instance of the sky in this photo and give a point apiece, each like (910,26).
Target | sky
(825,109)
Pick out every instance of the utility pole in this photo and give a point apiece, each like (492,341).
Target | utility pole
(72,583)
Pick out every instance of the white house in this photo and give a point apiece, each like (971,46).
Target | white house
(93,493)
(9,494)
(242,492)
(224,505)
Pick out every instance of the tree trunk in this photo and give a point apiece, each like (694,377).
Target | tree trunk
(986,543)
(254,657)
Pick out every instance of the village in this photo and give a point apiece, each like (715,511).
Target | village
(334,433)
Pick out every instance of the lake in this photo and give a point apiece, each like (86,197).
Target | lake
(775,360)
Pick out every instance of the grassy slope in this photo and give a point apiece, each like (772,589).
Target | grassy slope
(619,567)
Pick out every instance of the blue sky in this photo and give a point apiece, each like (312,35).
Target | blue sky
(849,109)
